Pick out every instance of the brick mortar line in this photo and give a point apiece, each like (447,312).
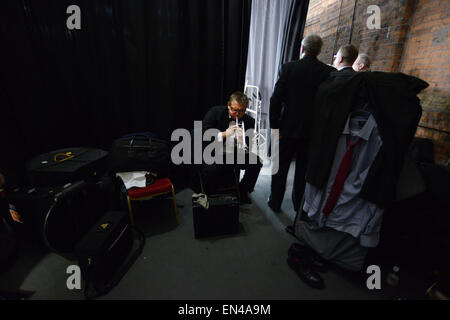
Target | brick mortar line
(435,129)
(361,33)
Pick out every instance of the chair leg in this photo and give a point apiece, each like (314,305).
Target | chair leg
(130,211)
(175,208)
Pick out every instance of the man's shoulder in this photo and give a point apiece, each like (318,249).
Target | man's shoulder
(328,68)
(217,109)
(215,113)
(292,65)
(308,63)
(324,66)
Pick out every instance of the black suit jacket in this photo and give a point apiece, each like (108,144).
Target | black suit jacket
(218,118)
(291,105)
(346,69)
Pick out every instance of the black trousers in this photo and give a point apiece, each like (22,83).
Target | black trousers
(289,148)
(220,175)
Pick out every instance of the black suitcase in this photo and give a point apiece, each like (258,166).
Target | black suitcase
(140,153)
(221,218)
(103,250)
(67,165)
(57,216)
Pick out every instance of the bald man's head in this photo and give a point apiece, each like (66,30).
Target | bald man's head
(362,63)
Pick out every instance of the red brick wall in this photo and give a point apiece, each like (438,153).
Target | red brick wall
(384,45)
(413,39)
(427,56)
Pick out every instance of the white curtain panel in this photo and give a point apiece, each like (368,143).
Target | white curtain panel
(267,26)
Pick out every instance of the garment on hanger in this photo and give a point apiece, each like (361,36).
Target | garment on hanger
(362,127)
(341,208)
(394,104)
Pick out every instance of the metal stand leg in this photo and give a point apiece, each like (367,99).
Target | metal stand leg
(175,205)
(130,211)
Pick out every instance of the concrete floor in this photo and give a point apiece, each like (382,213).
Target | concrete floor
(176,266)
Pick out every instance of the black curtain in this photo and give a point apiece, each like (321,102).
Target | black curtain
(293,33)
(134,66)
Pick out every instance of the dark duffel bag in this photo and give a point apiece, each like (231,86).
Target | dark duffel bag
(57,216)
(106,252)
(140,153)
(67,165)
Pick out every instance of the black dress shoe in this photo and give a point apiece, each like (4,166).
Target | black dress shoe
(274,208)
(306,272)
(304,252)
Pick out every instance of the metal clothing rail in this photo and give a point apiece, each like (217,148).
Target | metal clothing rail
(254,109)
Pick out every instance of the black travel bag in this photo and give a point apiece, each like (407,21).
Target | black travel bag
(106,252)
(58,216)
(140,152)
(221,217)
(67,165)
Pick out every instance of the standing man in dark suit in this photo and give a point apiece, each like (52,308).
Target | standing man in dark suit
(362,63)
(291,109)
(345,57)
(232,121)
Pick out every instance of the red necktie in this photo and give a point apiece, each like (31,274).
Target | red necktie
(341,175)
